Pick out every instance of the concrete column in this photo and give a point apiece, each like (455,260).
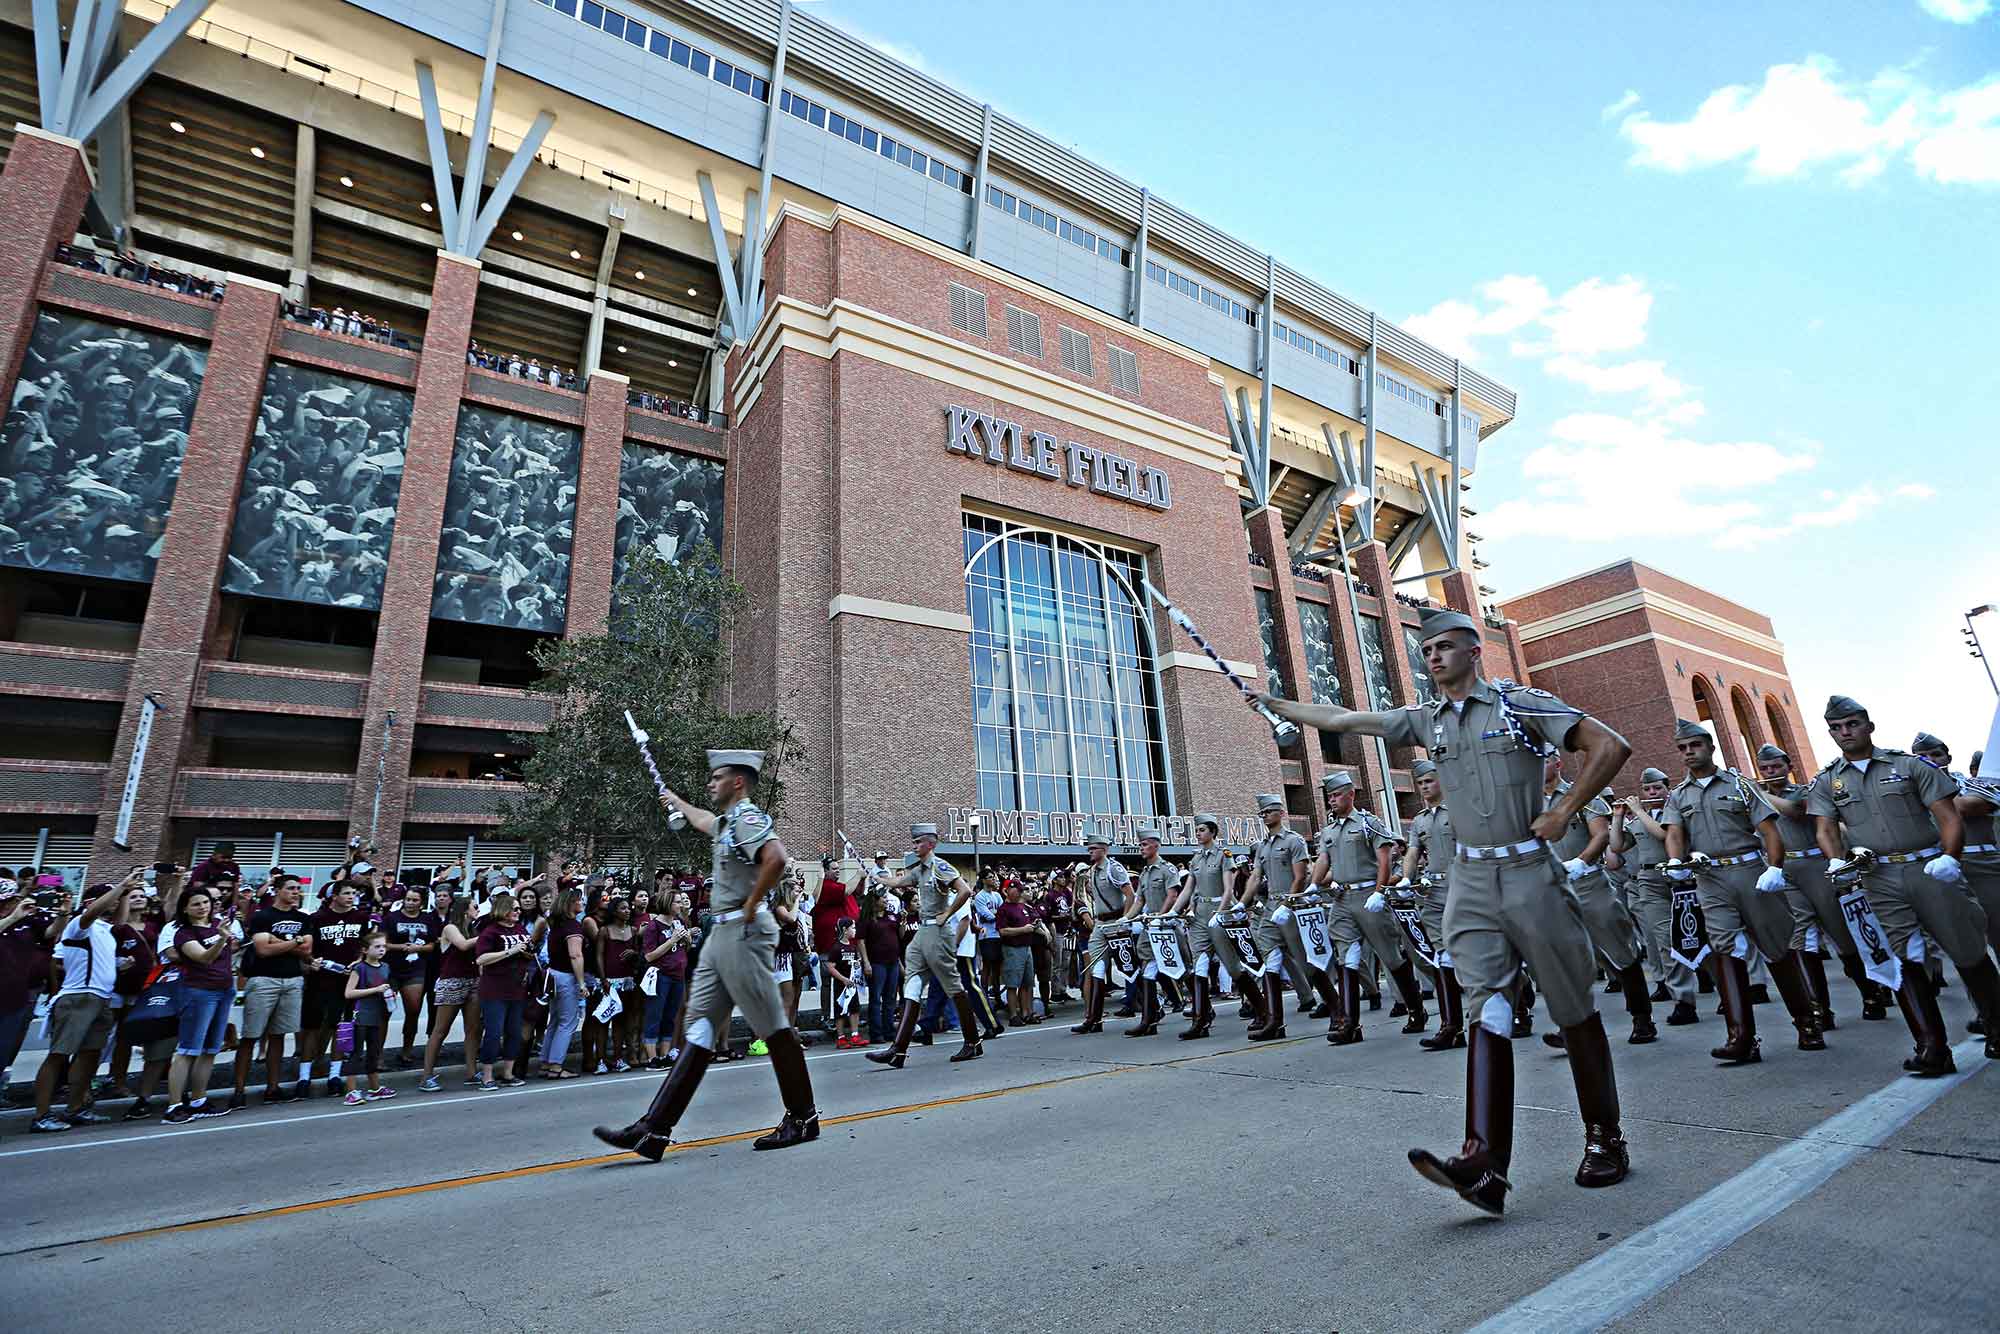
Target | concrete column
(303,185)
(1267,539)
(594,547)
(395,680)
(183,611)
(42,197)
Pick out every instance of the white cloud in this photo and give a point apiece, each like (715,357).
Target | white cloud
(1570,332)
(1626,377)
(1595,317)
(1621,106)
(1915,491)
(1806,116)
(1957,11)
(1838,510)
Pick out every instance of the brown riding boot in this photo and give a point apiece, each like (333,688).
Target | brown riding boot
(800,1124)
(1919,1003)
(1605,1160)
(1149,1009)
(968,1029)
(1252,994)
(1204,1012)
(1797,994)
(1732,979)
(1814,968)
(1638,1004)
(1404,975)
(1347,1030)
(1451,1014)
(648,1136)
(1479,1171)
(1273,1026)
(906,1024)
(1093,1007)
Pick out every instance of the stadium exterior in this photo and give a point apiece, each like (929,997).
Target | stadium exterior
(945,394)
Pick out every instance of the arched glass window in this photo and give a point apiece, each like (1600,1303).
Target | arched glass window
(1065,690)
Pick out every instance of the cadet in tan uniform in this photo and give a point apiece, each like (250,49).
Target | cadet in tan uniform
(1977,801)
(1202,889)
(941,892)
(1902,809)
(1815,900)
(1280,864)
(1718,814)
(1643,845)
(735,967)
(1157,885)
(1107,889)
(1585,840)
(1427,866)
(1355,851)
(1509,901)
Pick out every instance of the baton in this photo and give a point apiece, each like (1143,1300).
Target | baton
(869,871)
(675,820)
(1285,730)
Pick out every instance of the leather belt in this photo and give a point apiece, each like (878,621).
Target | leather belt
(736,914)
(1803,853)
(1982,847)
(1738,860)
(1356,884)
(1922,854)
(1473,852)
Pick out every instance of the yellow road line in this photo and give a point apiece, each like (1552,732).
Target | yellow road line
(600,1160)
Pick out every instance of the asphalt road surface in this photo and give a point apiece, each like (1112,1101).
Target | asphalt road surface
(1061,1183)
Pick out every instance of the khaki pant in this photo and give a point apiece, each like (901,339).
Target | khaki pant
(1982,882)
(930,951)
(1280,940)
(1353,924)
(1100,951)
(1504,913)
(1815,906)
(1653,900)
(1909,903)
(1224,949)
(1610,926)
(1739,914)
(735,974)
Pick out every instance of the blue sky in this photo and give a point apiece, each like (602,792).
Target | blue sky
(1739,261)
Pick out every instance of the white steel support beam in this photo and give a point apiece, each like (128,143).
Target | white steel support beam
(303,178)
(753,233)
(1261,486)
(94,105)
(481,228)
(593,343)
(1139,246)
(972,246)
(460,238)
(447,198)
(725,268)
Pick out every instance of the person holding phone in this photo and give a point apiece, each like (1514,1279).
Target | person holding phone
(206,953)
(80,1017)
(25,926)
(454,993)
(502,953)
(413,932)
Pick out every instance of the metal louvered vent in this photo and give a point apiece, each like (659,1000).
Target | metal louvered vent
(1076,352)
(968,310)
(1124,371)
(1024,332)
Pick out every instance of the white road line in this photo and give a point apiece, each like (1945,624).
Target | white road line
(425,1102)
(1619,1281)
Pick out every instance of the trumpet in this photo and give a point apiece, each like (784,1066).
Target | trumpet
(1851,871)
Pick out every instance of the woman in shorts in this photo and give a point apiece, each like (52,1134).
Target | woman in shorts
(453,994)
(413,932)
(207,953)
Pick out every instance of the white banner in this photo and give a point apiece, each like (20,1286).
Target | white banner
(1167,952)
(141,738)
(1879,961)
(1313,934)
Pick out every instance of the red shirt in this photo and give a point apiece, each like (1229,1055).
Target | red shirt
(1014,914)
(834,906)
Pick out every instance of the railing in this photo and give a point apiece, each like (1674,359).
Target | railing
(460,799)
(232,792)
(132,268)
(493,706)
(531,370)
(65,672)
(647,401)
(52,787)
(228,685)
(351,323)
(407,104)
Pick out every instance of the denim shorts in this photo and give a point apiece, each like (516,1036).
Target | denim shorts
(204,1020)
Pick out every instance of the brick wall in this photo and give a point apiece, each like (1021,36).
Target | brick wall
(42,195)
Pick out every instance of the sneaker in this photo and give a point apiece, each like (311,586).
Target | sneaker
(333,1086)
(49,1125)
(430,1085)
(619,1067)
(354,1099)
(237,1102)
(602,1069)
(86,1117)
(278,1097)
(303,1089)
(141,1110)
(758,1048)
(208,1109)
(179,1114)
(378,1094)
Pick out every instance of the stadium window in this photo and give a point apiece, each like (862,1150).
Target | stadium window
(919,162)
(836,123)
(614,23)
(635,33)
(593,13)
(936,171)
(816,115)
(760,89)
(903,155)
(853,133)
(869,139)
(661,44)
(567,7)
(680,53)
(888,148)
(699,63)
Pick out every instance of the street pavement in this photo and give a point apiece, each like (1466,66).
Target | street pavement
(1061,1183)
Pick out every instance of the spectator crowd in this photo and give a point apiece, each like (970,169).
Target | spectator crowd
(550,977)
(133,268)
(350,322)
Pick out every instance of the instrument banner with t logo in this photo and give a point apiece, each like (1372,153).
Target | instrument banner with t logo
(1169,955)
(1420,940)
(1877,959)
(1687,929)
(1313,934)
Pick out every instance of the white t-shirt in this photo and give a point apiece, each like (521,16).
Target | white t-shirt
(968,945)
(90,958)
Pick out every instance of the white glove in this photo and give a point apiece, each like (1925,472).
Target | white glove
(1282,915)
(1376,902)
(1699,859)
(1837,865)
(1577,867)
(1215,920)
(1772,879)
(1944,867)
(1681,874)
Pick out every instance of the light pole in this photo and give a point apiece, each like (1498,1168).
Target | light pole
(975,846)
(1975,648)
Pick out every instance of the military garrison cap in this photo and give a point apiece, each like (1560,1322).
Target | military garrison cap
(1437,621)
(753,760)
(1422,769)
(1212,821)
(1269,801)
(1337,782)
(1843,706)
(1096,839)
(923,831)
(1925,741)
(1651,775)
(1687,731)
(1767,751)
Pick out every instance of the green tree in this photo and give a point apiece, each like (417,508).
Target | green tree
(663,658)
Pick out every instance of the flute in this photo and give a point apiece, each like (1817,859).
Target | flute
(1284,730)
(675,820)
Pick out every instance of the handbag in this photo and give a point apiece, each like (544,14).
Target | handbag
(156,1012)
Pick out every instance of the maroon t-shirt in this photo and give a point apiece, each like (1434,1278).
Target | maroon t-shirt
(135,959)
(1014,914)
(24,961)
(883,938)
(675,961)
(562,930)
(507,979)
(619,956)
(213,975)
(337,939)
(458,963)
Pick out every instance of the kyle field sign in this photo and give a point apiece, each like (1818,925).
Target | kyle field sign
(1009,444)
